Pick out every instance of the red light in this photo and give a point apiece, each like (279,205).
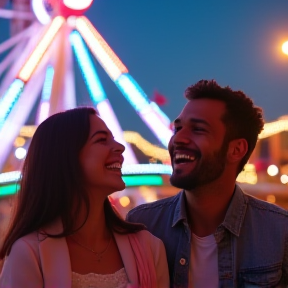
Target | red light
(74,7)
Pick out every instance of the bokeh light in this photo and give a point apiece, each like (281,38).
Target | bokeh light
(272,170)
(19,142)
(271,198)
(284,179)
(124,201)
(20,153)
(285,48)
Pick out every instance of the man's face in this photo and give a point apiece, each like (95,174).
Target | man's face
(197,152)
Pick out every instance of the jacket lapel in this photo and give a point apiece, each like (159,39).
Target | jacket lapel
(55,259)
(128,258)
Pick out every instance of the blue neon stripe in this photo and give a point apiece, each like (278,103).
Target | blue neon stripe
(87,68)
(9,100)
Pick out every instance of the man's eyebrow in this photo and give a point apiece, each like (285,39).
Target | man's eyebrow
(99,132)
(193,121)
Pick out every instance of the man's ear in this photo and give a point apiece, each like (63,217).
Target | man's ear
(237,150)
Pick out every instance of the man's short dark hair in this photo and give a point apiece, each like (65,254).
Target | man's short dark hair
(242,118)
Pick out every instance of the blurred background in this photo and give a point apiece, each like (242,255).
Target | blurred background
(168,45)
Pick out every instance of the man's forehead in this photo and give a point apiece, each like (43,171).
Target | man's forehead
(201,110)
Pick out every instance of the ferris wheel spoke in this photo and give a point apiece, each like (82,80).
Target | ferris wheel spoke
(13,54)
(11,14)
(18,37)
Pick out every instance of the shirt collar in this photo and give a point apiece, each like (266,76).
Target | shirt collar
(234,216)
(180,213)
(236,212)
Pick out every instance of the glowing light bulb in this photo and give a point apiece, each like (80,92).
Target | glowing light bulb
(285,48)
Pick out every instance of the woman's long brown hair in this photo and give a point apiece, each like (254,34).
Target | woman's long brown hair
(51,180)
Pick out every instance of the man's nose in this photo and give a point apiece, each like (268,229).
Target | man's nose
(182,137)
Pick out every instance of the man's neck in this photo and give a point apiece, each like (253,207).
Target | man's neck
(207,206)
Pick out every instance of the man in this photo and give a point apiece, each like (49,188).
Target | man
(214,234)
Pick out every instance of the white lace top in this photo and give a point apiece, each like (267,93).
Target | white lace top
(117,280)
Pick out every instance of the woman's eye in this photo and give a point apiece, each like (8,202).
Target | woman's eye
(100,140)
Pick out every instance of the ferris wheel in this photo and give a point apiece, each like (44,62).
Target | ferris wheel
(44,66)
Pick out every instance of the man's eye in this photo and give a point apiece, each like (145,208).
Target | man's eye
(198,129)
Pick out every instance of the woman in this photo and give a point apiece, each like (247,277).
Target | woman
(65,233)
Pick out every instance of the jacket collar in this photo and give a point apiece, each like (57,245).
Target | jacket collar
(128,258)
(55,258)
(234,216)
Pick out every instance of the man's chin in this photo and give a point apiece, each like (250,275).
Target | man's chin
(181,182)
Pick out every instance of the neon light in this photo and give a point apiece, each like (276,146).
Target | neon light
(9,99)
(146,169)
(133,93)
(138,99)
(274,128)
(151,180)
(46,92)
(32,62)
(101,50)
(77,5)
(9,190)
(146,147)
(9,177)
(40,11)
(142,180)
(163,117)
(43,111)
(88,71)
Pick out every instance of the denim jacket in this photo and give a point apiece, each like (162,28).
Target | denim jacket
(252,241)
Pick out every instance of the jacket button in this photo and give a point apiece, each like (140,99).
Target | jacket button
(182,261)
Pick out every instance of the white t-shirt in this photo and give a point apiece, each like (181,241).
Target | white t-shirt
(203,270)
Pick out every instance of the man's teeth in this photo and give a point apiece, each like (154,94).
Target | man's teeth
(114,166)
(184,156)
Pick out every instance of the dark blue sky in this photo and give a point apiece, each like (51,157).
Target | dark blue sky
(168,45)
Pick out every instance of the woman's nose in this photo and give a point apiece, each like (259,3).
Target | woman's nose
(119,147)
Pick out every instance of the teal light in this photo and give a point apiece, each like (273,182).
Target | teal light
(9,189)
(133,180)
(139,180)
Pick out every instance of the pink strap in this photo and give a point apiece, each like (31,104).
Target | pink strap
(145,264)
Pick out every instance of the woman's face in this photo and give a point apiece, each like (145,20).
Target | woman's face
(101,159)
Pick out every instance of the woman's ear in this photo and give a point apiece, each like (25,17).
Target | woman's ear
(237,150)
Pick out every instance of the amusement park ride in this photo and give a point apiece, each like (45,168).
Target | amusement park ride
(45,67)
(43,77)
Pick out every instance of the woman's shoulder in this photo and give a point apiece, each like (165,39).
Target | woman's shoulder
(146,235)
(29,241)
(148,239)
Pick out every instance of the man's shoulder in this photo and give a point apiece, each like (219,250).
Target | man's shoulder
(150,207)
(268,208)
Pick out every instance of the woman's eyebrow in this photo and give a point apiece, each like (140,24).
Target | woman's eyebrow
(99,132)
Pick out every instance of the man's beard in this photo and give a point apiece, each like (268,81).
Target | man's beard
(209,169)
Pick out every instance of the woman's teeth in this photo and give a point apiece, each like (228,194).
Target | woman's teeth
(114,166)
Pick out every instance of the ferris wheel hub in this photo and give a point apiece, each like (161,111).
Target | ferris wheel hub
(45,10)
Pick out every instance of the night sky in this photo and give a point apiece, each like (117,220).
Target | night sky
(168,45)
